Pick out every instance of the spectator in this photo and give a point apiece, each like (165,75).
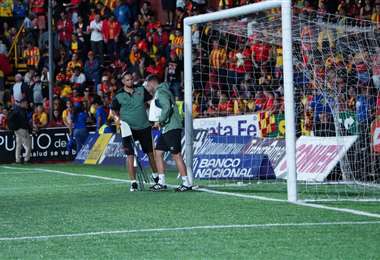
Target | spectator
(65,29)
(118,65)
(100,114)
(78,78)
(169,6)
(36,88)
(376,69)
(62,61)
(260,56)
(3,118)
(56,120)
(31,55)
(161,39)
(376,14)
(77,96)
(96,28)
(40,118)
(174,74)
(177,44)
(366,10)
(19,11)
(19,89)
(5,70)
(83,36)
(92,68)
(28,77)
(225,105)
(111,32)
(72,64)
(76,46)
(122,15)
(104,87)
(67,115)
(217,60)
(38,9)
(79,119)
(145,12)
(87,99)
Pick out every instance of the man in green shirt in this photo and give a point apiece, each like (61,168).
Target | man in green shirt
(129,105)
(170,124)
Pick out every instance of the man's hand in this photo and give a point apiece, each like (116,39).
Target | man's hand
(157,125)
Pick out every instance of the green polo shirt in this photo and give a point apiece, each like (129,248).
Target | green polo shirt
(132,107)
(170,118)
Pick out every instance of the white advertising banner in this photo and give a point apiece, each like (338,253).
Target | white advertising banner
(242,125)
(317,156)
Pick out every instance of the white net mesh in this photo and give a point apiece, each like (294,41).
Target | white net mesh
(237,72)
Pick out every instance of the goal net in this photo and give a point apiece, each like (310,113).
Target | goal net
(238,100)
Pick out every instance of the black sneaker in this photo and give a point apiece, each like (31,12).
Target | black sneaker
(134,187)
(158,187)
(156,180)
(183,188)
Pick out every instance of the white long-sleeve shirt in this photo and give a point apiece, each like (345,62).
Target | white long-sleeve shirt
(96,31)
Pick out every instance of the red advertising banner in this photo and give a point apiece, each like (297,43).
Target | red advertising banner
(317,156)
(375,135)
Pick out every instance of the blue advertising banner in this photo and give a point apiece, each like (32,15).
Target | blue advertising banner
(114,152)
(274,148)
(86,148)
(233,167)
(227,157)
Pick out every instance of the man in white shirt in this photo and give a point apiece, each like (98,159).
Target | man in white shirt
(96,27)
(18,89)
(78,78)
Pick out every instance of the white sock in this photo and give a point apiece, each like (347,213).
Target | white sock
(133,181)
(185,181)
(154,175)
(161,179)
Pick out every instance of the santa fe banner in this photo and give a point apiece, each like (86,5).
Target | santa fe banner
(244,125)
(317,156)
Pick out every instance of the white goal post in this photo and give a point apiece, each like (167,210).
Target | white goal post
(286,16)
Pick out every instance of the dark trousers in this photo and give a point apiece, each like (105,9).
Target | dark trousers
(97,48)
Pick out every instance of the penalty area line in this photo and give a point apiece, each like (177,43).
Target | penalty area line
(174,229)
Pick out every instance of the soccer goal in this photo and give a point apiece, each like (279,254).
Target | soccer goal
(282,100)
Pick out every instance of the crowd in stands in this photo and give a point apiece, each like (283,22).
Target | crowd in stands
(336,66)
(96,40)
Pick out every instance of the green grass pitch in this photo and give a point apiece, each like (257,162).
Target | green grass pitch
(55,215)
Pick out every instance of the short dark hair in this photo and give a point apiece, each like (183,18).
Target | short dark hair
(152,77)
(127,72)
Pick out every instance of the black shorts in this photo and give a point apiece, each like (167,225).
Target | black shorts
(170,141)
(144,136)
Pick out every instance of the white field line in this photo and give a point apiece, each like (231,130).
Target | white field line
(60,186)
(348,183)
(262,198)
(341,200)
(352,211)
(73,174)
(240,195)
(173,229)
(20,172)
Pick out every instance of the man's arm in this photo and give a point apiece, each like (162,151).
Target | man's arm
(147,95)
(115,106)
(165,104)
